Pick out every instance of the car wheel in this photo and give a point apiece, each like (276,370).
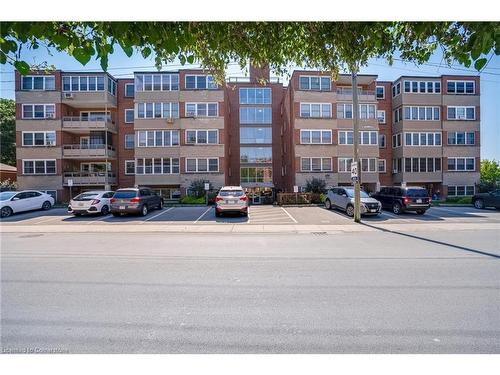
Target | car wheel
(244,213)
(421,212)
(479,204)
(396,208)
(46,205)
(160,206)
(105,210)
(6,211)
(144,210)
(217,213)
(116,214)
(350,210)
(328,204)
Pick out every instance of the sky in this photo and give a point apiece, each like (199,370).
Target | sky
(122,66)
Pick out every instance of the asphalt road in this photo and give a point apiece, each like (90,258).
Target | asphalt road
(377,292)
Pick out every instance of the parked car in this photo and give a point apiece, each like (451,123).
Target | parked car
(343,198)
(231,199)
(135,201)
(91,202)
(26,200)
(398,199)
(490,199)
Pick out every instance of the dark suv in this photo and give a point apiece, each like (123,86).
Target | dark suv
(135,201)
(399,200)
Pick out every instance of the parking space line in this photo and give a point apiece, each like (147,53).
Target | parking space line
(203,214)
(98,219)
(390,215)
(161,213)
(290,216)
(47,220)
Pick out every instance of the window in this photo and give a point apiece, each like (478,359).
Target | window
(344,110)
(381,165)
(129,90)
(396,140)
(39,167)
(157,138)
(129,115)
(316,110)
(315,83)
(39,111)
(255,135)
(460,190)
(199,82)
(316,136)
(200,137)
(45,138)
(157,166)
(346,138)
(422,139)
(88,83)
(461,113)
(255,95)
(256,174)
(396,89)
(421,113)
(367,111)
(381,141)
(344,164)
(422,165)
(256,155)
(202,109)
(368,138)
(129,141)
(381,116)
(202,165)
(255,115)
(369,165)
(156,82)
(461,87)
(316,164)
(157,110)
(422,87)
(129,166)
(38,83)
(380,92)
(461,164)
(461,138)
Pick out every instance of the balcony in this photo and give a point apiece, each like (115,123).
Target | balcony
(91,151)
(89,178)
(363,95)
(85,125)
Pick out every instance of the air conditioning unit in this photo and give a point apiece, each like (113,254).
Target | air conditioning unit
(190,114)
(50,115)
(170,120)
(461,117)
(68,95)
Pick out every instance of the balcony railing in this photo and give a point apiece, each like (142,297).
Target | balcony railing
(88,151)
(89,178)
(250,80)
(348,92)
(86,123)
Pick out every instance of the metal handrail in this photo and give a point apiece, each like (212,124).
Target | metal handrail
(348,91)
(251,80)
(88,147)
(87,119)
(88,174)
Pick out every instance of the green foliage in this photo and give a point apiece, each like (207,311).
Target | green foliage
(197,189)
(459,200)
(490,171)
(192,200)
(315,185)
(8,131)
(329,46)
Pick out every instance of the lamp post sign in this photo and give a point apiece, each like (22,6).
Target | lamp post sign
(354,171)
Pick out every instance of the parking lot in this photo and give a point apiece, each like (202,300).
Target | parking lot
(258,215)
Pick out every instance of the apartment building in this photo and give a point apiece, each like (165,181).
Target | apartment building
(87,130)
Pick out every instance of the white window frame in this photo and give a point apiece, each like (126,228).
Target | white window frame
(385,166)
(369,138)
(268,89)
(345,136)
(343,111)
(197,110)
(396,89)
(344,165)
(146,132)
(465,111)
(34,168)
(419,82)
(199,131)
(197,165)
(321,114)
(153,166)
(33,111)
(125,90)
(465,164)
(320,83)
(455,81)
(368,161)
(208,78)
(380,137)
(397,140)
(455,188)
(255,122)
(427,109)
(87,78)
(144,105)
(32,77)
(142,87)
(383,92)
(128,162)
(434,136)
(321,162)
(321,142)
(125,114)
(368,111)
(125,141)
(465,137)
(44,138)
(381,119)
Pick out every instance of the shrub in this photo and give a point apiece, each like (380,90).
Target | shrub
(197,188)
(315,185)
(459,200)
(6,185)
(192,200)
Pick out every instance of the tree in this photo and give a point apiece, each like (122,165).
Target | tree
(490,175)
(315,185)
(197,188)
(8,131)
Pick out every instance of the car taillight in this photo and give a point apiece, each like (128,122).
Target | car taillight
(135,200)
(113,200)
(218,199)
(406,200)
(244,198)
(95,201)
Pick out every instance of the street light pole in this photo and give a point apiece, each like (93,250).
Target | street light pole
(355,115)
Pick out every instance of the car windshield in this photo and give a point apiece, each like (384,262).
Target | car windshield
(350,193)
(417,193)
(123,194)
(234,193)
(6,195)
(85,196)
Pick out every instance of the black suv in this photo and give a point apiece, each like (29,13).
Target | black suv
(399,200)
(135,201)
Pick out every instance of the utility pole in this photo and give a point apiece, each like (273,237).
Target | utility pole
(355,115)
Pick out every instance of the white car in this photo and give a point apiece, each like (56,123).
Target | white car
(26,200)
(91,202)
(231,199)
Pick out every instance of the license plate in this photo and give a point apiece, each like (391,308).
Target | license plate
(122,207)
(373,210)
(419,200)
(230,202)
(80,204)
